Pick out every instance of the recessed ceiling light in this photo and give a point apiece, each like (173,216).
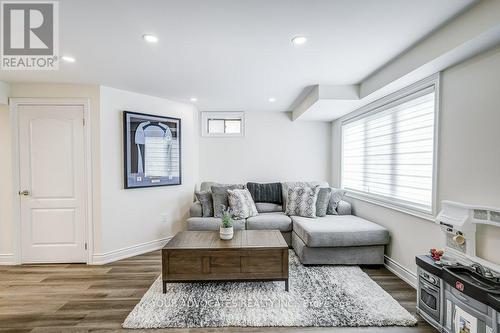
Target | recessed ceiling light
(193,99)
(150,38)
(299,40)
(272,99)
(68,59)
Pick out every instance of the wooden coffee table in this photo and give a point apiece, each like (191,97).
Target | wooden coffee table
(199,256)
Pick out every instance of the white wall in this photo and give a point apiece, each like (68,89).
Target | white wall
(273,149)
(469,160)
(134,216)
(121,218)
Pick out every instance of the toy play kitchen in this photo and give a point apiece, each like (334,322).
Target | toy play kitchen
(459,292)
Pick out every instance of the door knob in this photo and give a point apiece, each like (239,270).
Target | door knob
(25,192)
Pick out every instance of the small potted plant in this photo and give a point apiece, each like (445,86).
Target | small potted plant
(226,227)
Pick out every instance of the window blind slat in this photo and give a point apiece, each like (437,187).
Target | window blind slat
(390,153)
(383,121)
(391,131)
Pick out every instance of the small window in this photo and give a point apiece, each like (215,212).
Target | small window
(220,124)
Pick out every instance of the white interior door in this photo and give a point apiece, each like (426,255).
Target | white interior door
(52,183)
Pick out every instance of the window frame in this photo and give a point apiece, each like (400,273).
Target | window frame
(381,105)
(222,115)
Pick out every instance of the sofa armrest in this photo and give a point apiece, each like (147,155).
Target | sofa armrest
(344,208)
(195,209)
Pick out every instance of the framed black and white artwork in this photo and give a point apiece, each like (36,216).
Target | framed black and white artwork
(152,150)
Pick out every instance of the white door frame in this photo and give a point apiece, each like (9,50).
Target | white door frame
(16,209)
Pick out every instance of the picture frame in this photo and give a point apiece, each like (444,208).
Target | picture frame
(152,150)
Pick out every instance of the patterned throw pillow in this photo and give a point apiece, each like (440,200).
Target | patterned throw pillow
(287,185)
(207,206)
(335,197)
(301,201)
(241,204)
(219,197)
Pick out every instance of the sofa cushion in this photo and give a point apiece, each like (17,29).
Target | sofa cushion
(210,223)
(270,221)
(338,231)
(269,192)
(266,207)
(219,197)
(207,186)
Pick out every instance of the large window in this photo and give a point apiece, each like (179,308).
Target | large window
(388,152)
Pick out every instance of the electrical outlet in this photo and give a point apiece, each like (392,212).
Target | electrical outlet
(164,218)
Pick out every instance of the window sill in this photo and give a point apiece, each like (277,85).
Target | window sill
(222,135)
(400,208)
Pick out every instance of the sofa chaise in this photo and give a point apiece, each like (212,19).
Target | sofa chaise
(342,239)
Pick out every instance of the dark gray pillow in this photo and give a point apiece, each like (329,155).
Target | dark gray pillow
(207,206)
(219,197)
(323,200)
(335,197)
(270,192)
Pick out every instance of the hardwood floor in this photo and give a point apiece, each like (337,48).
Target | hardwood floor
(81,298)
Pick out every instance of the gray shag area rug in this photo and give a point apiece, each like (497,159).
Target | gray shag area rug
(319,296)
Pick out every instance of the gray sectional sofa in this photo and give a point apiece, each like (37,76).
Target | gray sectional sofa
(333,239)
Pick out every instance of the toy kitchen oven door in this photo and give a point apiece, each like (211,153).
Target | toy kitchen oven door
(459,320)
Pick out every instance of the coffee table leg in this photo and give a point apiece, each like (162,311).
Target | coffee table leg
(164,287)
(286,285)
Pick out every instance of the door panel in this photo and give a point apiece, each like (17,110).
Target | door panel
(52,169)
(44,221)
(52,174)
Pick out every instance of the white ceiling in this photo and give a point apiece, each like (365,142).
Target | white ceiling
(235,54)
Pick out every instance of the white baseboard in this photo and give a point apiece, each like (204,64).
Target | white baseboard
(7,259)
(130,251)
(400,271)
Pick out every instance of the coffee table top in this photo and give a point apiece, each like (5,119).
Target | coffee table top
(242,239)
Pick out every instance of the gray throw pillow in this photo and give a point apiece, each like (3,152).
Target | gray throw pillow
(207,206)
(301,201)
(241,203)
(323,200)
(219,197)
(335,197)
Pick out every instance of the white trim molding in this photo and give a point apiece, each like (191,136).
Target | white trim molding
(130,251)
(400,208)
(400,271)
(7,259)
